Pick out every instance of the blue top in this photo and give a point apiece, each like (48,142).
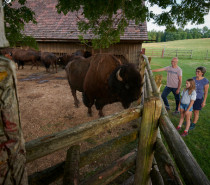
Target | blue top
(200,87)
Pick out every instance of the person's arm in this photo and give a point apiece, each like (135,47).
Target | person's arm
(190,105)
(159,70)
(206,87)
(179,85)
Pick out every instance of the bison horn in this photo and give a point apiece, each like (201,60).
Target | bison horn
(118,76)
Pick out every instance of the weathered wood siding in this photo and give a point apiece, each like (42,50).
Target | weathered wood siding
(130,51)
(61,47)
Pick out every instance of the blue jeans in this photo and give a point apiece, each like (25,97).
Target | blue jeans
(166,92)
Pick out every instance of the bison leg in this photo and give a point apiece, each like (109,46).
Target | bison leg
(20,63)
(100,113)
(56,67)
(76,101)
(99,106)
(88,103)
(89,111)
(32,66)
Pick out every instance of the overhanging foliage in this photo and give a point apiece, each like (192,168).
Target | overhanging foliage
(106,20)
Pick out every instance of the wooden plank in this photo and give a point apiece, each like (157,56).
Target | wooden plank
(148,84)
(152,81)
(53,173)
(48,144)
(155,175)
(115,144)
(189,168)
(166,164)
(147,138)
(109,174)
(71,170)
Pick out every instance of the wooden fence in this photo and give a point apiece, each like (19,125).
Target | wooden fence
(181,53)
(151,160)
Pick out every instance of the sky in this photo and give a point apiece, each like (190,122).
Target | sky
(156,9)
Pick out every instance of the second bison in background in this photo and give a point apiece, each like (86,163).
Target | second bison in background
(108,81)
(76,71)
(49,59)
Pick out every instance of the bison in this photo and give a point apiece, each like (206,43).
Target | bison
(76,71)
(108,81)
(85,54)
(65,59)
(49,59)
(21,56)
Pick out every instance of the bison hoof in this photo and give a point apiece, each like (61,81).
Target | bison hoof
(76,105)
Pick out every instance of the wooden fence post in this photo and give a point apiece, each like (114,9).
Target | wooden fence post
(206,54)
(142,65)
(163,53)
(12,144)
(71,170)
(147,138)
(158,81)
(191,54)
(149,58)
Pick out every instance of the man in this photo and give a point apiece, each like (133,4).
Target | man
(174,82)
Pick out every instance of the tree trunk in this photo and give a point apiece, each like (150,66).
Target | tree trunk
(12,144)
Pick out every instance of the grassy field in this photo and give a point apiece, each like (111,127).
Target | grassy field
(200,47)
(198,140)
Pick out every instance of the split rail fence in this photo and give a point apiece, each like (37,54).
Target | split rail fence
(150,158)
(181,53)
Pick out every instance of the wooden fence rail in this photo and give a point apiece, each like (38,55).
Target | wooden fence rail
(51,174)
(51,143)
(181,53)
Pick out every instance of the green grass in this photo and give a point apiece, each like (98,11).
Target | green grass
(198,140)
(199,47)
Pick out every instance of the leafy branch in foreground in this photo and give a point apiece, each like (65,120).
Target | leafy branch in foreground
(15,19)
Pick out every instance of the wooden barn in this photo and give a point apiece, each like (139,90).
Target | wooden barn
(58,33)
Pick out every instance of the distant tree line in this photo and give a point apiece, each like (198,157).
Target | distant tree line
(180,34)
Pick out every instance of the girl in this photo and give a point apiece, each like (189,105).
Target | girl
(186,104)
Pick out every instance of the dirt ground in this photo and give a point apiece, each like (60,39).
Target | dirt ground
(46,107)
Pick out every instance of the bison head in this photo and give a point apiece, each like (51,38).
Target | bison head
(125,83)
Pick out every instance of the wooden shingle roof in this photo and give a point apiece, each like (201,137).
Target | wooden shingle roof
(53,26)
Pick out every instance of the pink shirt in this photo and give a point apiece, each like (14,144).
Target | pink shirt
(173,76)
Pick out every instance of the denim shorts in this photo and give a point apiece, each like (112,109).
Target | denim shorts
(185,106)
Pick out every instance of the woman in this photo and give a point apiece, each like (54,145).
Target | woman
(202,85)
